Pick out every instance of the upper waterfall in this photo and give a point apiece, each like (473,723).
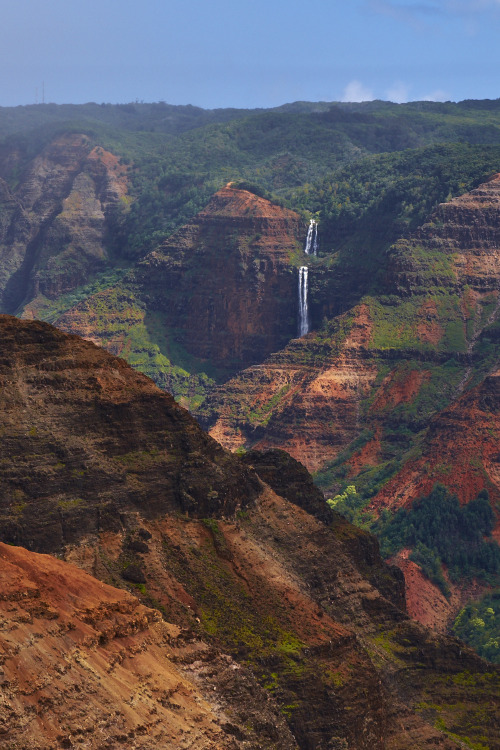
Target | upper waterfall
(311,247)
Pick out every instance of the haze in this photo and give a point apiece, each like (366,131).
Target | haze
(247,54)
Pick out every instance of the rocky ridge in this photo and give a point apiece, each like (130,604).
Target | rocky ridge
(55,220)
(118,443)
(299,611)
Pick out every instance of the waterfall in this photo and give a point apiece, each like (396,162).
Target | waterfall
(311,247)
(303,303)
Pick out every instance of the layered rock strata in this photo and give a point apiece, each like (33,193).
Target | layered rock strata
(55,220)
(84,664)
(223,287)
(460,450)
(319,393)
(85,437)
(284,616)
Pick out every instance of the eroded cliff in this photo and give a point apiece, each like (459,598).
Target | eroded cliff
(55,219)
(217,296)
(82,663)
(283,616)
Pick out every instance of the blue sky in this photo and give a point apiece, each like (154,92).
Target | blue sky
(248,53)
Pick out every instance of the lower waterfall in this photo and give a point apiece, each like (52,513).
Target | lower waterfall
(303,301)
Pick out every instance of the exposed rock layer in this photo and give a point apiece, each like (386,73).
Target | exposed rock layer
(309,612)
(223,286)
(84,663)
(93,438)
(460,450)
(54,222)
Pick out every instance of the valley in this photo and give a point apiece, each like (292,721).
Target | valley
(319,286)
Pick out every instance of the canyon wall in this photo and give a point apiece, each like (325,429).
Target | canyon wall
(55,219)
(269,614)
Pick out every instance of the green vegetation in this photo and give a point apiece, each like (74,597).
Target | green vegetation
(442,532)
(70,503)
(350,505)
(405,159)
(437,529)
(51,310)
(478,624)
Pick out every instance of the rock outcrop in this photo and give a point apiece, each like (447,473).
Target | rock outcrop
(225,280)
(82,663)
(55,220)
(285,618)
(217,296)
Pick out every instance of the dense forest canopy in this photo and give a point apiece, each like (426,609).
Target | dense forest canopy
(351,164)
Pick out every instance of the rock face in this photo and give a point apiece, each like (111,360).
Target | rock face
(218,295)
(54,222)
(385,355)
(115,443)
(289,479)
(460,449)
(296,626)
(225,279)
(85,663)
(304,399)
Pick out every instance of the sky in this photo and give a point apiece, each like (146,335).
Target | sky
(248,53)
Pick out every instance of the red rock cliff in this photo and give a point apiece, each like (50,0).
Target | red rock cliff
(295,625)
(223,285)
(54,223)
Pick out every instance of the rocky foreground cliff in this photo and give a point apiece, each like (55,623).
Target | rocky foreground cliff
(84,664)
(278,628)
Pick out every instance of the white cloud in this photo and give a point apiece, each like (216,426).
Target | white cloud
(356,92)
(398,92)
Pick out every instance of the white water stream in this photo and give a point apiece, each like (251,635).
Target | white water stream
(303,302)
(311,248)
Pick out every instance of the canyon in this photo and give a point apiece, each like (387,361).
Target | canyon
(296,624)
(322,329)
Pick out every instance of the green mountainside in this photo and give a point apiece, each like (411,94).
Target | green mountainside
(181,155)
(172,236)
